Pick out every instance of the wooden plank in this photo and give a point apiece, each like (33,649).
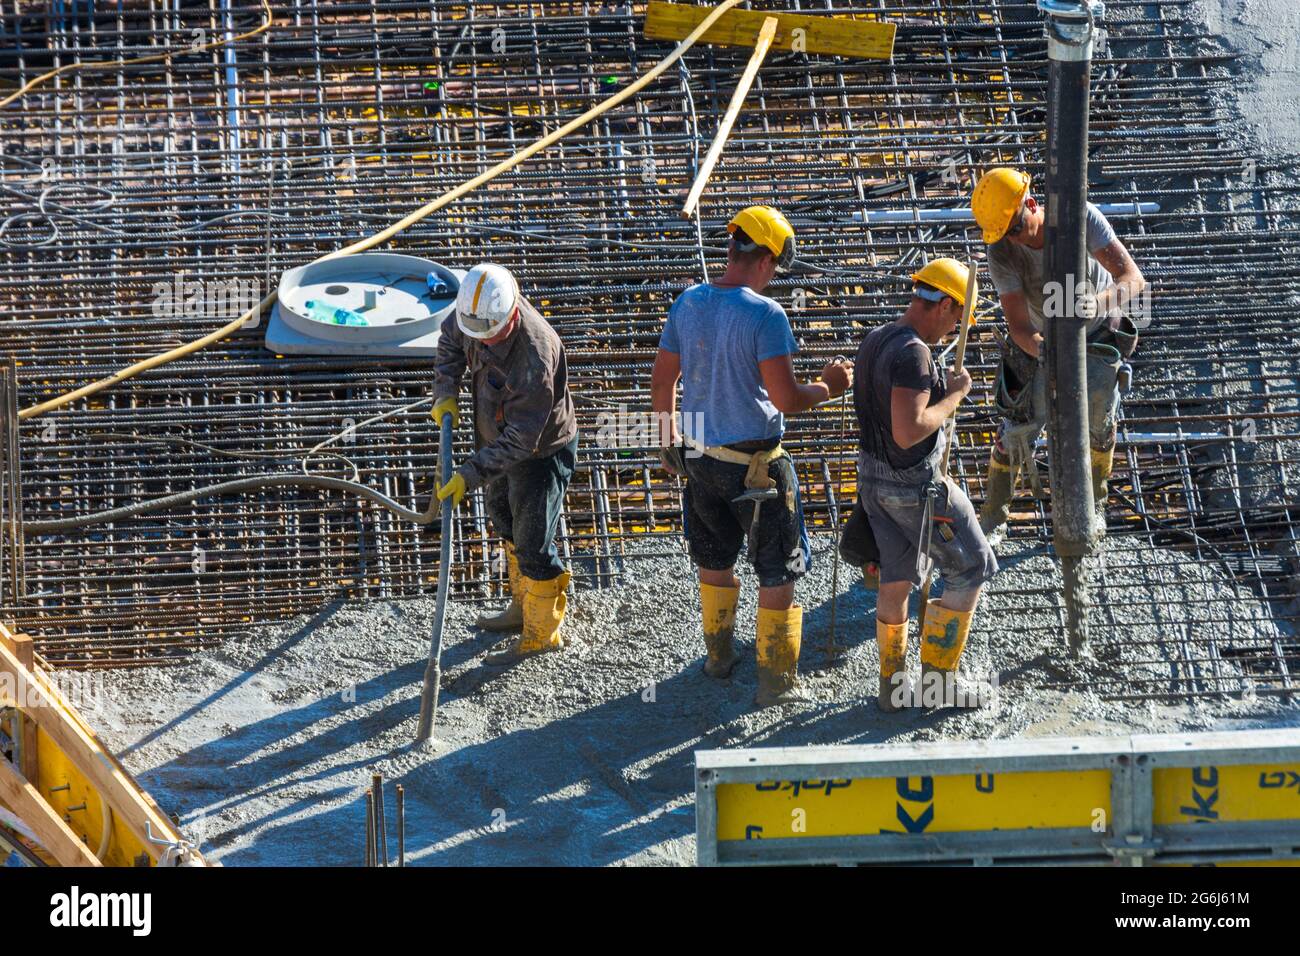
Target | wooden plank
(25,650)
(765,35)
(103,773)
(832,36)
(7,637)
(24,799)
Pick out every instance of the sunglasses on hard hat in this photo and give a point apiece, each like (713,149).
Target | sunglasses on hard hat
(787,255)
(468,320)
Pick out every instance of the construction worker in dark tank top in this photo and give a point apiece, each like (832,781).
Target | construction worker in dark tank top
(917,514)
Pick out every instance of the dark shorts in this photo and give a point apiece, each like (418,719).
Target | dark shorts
(717,528)
(525,504)
(957,545)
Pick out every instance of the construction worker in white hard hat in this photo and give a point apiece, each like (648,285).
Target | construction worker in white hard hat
(526,440)
(917,514)
(1109,296)
(732,349)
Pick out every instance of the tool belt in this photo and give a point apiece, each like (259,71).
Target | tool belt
(1016,385)
(757,461)
(858,542)
(1121,334)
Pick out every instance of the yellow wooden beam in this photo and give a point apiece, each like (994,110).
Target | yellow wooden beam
(799,32)
(24,650)
(765,35)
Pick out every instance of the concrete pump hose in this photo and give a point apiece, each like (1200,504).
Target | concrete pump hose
(384,235)
(265,480)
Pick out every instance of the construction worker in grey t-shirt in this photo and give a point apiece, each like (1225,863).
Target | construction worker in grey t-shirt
(1013,223)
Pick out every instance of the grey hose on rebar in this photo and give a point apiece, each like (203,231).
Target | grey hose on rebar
(255,482)
(251,483)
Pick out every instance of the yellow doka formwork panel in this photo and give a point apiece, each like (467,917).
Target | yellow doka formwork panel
(77,797)
(945,804)
(55,770)
(1226,794)
(828,35)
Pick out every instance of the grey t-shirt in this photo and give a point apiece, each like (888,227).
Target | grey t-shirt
(1017,268)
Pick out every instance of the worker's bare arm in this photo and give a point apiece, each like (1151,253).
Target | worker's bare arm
(1021,328)
(663,395)
(913,420)
(790,397)
(1129,281)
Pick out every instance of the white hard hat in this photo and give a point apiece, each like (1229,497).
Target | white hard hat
(486,301)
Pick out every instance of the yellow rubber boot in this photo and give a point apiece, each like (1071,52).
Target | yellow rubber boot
(777,646)
(1102,464)
(512,618)
(892,639)
(997,499)
(544,605)
(719,607)
(942,644)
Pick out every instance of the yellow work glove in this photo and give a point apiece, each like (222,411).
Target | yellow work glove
(442,407)
(454,489)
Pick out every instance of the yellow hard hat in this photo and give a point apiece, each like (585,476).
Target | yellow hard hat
(948,276)
(767,228)
(997,198)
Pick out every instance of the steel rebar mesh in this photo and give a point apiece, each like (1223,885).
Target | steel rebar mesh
(223,168)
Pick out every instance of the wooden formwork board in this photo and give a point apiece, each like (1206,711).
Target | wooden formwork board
(79,800)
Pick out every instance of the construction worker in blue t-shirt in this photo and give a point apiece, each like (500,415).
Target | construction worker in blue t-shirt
(732,349)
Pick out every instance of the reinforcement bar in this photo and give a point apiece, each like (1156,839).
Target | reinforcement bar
(125,187)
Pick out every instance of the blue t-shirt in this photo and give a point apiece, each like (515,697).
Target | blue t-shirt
(721,334)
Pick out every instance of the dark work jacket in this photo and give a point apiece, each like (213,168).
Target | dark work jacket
(522,406)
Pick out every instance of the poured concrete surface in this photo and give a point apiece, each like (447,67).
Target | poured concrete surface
(1266,36)
(584,757)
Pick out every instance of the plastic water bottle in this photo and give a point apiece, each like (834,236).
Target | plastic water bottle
(333,315)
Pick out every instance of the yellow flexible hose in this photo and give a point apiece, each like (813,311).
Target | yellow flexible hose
(385,234)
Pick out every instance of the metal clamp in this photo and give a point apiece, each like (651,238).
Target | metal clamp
(176,852)
(1071,27)
(1133,849)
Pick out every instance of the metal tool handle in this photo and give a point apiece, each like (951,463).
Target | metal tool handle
(948,436)
(433,670)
